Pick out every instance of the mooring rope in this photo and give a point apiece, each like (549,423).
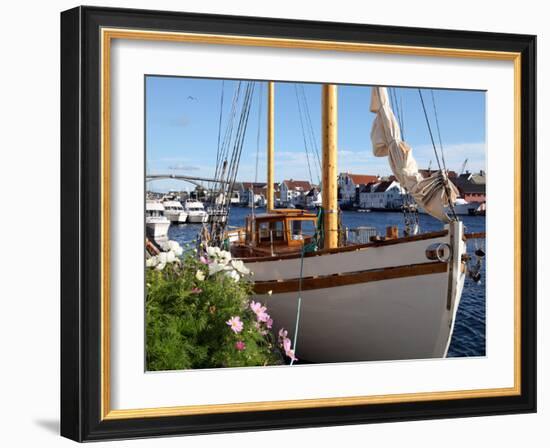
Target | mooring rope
(299,308)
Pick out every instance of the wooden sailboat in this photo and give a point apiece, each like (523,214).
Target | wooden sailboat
(389,299)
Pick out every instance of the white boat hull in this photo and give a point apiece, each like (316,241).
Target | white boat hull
(460,209)
(397,304)
(197,217)
(157,229)
(176,216)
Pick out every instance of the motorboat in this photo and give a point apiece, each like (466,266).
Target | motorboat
(195,211)
(156,224)
(174,211)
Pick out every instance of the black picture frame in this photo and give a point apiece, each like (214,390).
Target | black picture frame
(81,224)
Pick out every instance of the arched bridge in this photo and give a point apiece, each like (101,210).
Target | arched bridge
(191,179)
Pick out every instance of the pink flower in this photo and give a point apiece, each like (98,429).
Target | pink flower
(286,344)
(240,345)
(290,354)
(236,324)
(257,307)
(204,260)
(288,350)
(269,323)
(196,290)
(258,327)
(260,311)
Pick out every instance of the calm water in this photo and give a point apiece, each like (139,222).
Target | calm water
(469,333)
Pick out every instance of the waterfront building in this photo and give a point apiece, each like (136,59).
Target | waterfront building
(313,198)
(349,185)
(387,194)
(293,192)
(471,186)
(252,193)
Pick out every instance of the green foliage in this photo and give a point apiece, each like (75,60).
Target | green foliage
(186,321)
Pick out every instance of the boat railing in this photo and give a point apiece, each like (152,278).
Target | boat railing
(359,235)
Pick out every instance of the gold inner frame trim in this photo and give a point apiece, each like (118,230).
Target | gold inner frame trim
(107,34)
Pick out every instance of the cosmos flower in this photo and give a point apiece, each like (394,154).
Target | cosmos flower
(223,257)
(215,267)
(173,246)
(239,266)
(170,257)
(240,345)
(287,347)
(213,252)
(200,275)
(233,275)
(160,266)
(236,324)
(260,311)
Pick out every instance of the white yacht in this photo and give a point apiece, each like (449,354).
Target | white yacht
(174,211)
(156,225)
(461,208)
(195,211)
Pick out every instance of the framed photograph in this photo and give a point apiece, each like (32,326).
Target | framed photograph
(277,224)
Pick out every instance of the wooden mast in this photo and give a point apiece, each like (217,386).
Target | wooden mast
(330,165)
(270,145)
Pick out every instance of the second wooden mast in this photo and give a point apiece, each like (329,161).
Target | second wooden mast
(330,165)
(270,146)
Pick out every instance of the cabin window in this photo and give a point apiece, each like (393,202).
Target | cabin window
(302,229)
(271,230)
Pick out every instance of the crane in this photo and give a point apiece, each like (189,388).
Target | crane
(463,168)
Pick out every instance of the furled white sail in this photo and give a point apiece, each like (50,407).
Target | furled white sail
(429,193)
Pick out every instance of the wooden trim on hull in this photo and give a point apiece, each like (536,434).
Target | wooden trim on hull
(475,235)
(405,239)
(349,278)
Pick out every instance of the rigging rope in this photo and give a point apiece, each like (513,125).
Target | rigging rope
(438,131)
(397,108)
(402,113)
(257,144)
(222,161)
(312,136)
(299,308)
(227,170)
(220,126)
(311,247)
(445,177)
(303,131)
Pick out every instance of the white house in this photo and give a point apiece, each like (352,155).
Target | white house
(313,198)
(293,192)
(382,195)
(252,192)
(349,185)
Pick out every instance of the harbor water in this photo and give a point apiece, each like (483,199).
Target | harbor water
(469,332)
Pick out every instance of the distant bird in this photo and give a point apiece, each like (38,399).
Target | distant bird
(191,98)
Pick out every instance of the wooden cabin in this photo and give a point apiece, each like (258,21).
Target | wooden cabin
(281,231)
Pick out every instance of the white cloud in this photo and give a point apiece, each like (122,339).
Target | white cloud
(294,164)
(455,155)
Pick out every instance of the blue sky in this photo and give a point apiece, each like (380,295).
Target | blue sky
(182,116)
